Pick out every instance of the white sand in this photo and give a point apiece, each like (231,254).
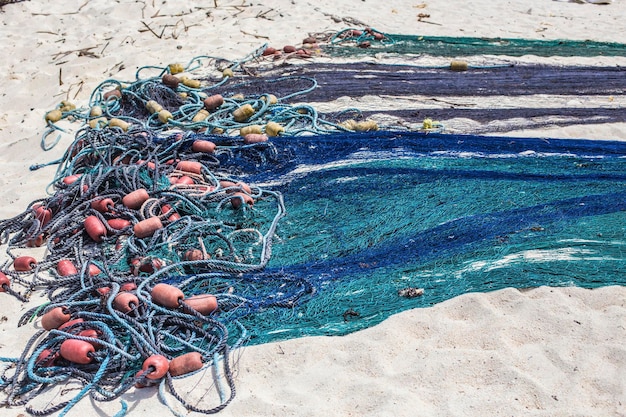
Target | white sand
(545,352)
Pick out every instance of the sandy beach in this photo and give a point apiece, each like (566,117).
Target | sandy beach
(533,352)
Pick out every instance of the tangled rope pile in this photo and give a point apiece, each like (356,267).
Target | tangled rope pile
(155,248)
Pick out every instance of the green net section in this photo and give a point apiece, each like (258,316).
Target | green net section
(352,42)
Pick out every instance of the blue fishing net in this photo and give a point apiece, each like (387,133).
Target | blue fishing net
(371,215)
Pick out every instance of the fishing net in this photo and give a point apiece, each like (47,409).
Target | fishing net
(208,206)
(371,41)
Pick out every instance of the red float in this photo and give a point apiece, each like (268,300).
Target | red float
(147,227)
(167,295)
(128,286)
(184,364)
(77,351)
(24,263)
(254,138)
(204,304)
(66,267)
(46,358)
(194,255)
(135,199)
(204,146)
(42,214)
(94,270)
(71,323)
(104,205)
(125,302)
(95,229)
(239,198)
(4,282)
(213,102)
(190,166)
(118,224)
(158,366)
(55,318)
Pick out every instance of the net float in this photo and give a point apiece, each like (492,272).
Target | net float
(269,51)
(184,364)
(227,184)
(303,53)
(194,255)
(147,227)
(4,282)
(204,304)
(270,98)
(128,286)
(190,82)
(135,199)
(185,180)
(77,351)
(42,214)
(170,81)
(92,334)
(379,36)
(46,358)
(167,295)
(153,106)
(95,228)
(67,106)
(55,318)
(366,126)
(149,164)
(205,146)
(176,68)
(190,166)
(165,116)
(157,365)
(114,94)
(54,116)
(145,264)
(36,241)
(309,39)
(66,267)
(70,323)
(103,291)
(213,102)
(458,66)
(288,49)
(242,113)
(273,129)
(99,122)
(95,111)
(166,208)
(246,130)
(24,263)
(115,122)
(118,224)
(238,198)
(70,179)
(228,72)
(142,382)
(125,302)
(94,270)
(254,138)
(201,116)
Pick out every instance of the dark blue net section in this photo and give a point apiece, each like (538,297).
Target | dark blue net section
(372,214)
